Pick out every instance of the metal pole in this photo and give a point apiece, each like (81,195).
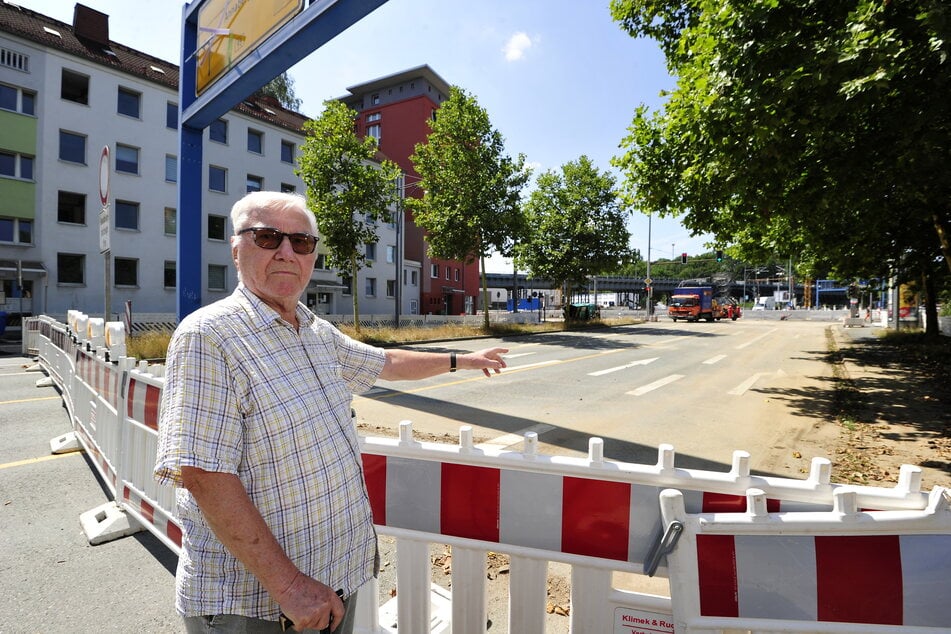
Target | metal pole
(650,291)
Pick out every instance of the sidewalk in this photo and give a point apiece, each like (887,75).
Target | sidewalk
(896,412)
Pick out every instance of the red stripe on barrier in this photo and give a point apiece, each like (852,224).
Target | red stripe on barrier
(716,563)
(859,579)
(147,510)
(152,397)
(126,493)
(470,502)
(374,475)
(595,518)
(731,503)
(130,399)
(174,532)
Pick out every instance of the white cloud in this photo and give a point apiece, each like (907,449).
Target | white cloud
(516,46)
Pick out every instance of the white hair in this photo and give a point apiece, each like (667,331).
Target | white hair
(274,201)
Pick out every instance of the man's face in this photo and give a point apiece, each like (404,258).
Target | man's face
(278,276)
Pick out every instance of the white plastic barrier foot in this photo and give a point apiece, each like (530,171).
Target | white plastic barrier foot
(106,523)
(36,367)
(67,443)
(46,381)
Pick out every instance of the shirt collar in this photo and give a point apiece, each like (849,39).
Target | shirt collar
(263,315)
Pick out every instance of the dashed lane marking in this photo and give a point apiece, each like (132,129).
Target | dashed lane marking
(650,387)
(623,367)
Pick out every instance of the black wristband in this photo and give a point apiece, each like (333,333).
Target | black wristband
(452,361)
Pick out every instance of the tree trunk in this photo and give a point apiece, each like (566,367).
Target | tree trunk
(353,292)
(932,327)
(943,239)
(485,294)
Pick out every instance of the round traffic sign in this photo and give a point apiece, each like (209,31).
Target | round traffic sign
(104,176)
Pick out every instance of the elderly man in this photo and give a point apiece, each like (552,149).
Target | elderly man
(256,431)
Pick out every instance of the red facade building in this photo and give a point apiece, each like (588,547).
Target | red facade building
(396,110)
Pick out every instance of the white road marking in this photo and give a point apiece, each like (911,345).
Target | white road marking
(712,360)
(623,367)
(518,354)
(745,385)
(531,365)
(507,440)
(650,387)
(755,339)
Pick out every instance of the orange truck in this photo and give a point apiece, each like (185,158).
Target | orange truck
(693,303)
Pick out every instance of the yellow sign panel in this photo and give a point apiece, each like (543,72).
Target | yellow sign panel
(230,29)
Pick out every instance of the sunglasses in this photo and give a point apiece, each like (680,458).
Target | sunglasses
(270,238)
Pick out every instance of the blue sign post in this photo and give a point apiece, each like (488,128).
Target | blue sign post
(317,23)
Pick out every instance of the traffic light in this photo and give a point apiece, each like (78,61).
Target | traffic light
(719,255)
(683,257)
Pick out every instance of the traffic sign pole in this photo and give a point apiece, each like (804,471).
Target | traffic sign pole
(104,231)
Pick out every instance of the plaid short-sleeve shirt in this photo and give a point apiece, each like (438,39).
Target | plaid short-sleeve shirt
(246,393)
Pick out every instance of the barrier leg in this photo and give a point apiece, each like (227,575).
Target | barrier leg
(106,523)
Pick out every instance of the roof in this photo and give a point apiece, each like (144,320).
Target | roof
(423,71)
(89,39)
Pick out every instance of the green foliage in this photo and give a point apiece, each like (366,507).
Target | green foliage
(282,89)
(471,205)
(578,226)
(813,129)
(347,189)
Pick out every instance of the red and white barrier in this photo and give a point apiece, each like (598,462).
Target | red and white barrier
(837,571)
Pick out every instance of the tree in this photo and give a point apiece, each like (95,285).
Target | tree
(578,226)
(471,205)
(348,190)
(812,129)
(282,89)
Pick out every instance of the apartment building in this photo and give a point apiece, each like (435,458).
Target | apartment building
(67,91)
(395,110)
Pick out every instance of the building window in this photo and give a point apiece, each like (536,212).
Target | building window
(391,288)
(72,147)
(287,188)
(16,231)
(74,87)
(126,271)
(16,165)
(434,272)
(414,278)
(347,285)
(255,183)
(376,116)
(371,286)
(71,208)
(374,131)
(171,115)
(287,152)
(218,131)
(217,178)
(216,227)
(457,274)
(129,103)
(390,254)
(321,262)
(217,275)
(447,271)
(126,215)
(375,99)
(14,60)
(127,159)
(15,100)
(70,268)
(371,251)
(171,221)
(255,142)
(171,168)
(170,274)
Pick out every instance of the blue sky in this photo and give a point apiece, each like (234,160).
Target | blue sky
(558,78)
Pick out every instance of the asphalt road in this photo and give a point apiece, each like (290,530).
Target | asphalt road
(705,388)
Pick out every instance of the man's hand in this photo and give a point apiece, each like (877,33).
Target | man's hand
(310,605)
(489,360)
